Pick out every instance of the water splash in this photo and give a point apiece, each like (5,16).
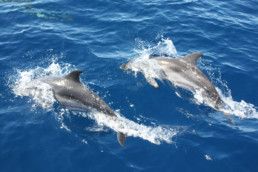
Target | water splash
(163,46)
(147,66)
(208,157)
(242,109)
(25,83)
(155,135)
(239,109)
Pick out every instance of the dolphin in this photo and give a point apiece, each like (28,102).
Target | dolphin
(183,72)
(72,94)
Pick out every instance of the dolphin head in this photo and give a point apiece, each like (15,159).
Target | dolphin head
(126,66)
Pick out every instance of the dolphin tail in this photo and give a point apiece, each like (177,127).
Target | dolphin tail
(121,137)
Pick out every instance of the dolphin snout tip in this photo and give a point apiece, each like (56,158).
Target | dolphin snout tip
(123,67)
(201,54)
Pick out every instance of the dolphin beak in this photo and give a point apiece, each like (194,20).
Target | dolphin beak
(123,67)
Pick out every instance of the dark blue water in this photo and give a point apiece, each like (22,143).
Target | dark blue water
(166,132)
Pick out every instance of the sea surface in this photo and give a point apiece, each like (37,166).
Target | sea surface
(168,129)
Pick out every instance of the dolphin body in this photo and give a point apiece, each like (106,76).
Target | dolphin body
(184,73)
(72,94)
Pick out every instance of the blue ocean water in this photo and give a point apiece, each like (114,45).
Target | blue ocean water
(167,132)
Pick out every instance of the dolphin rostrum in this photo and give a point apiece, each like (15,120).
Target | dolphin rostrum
(71,93)
(184,73)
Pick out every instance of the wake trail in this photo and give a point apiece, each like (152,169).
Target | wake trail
(155,135)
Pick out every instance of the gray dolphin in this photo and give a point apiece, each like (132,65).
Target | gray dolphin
(184,73)
(71,93)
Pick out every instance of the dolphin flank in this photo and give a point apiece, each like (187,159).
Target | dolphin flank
(72,94)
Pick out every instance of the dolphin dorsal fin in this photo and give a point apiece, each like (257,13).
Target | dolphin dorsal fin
(192,58)
(74,75)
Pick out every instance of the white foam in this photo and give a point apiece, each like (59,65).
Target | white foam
(150,68)
(166,46)
(199,99)
(239,109)
(208,157)
(27,84)
(155,135)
